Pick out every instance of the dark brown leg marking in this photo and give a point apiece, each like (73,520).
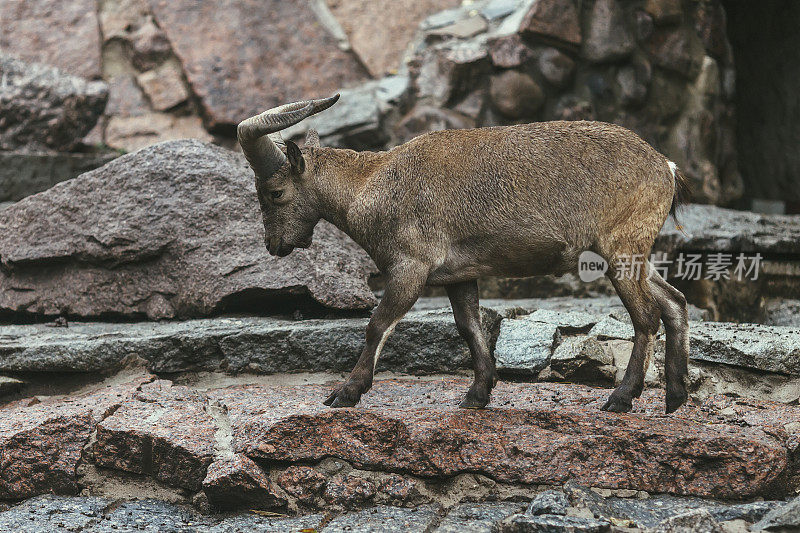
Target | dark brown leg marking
(466,310)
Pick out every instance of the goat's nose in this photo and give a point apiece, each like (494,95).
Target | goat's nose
(268,243)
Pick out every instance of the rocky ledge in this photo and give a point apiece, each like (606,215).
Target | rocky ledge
(269,446)
(560,339)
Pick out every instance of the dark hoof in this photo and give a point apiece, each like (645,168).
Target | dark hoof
(675,399)
(617,405)
(473,401)
(341,398)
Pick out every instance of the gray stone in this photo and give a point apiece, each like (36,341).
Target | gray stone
(679,50)
(25,173)
(696,521)
(463,29)
(516,95)
(749,512)
(583,359)
(44,514)
(654,510)
(567,321)
(356,120)
(89,514)
(450,70)
(254,522)
(443,18)
(556,66)
(151,515)
(783,518)
(43,109)
(633,81)
(549,502)
(385,519)
(524,346)
(497,9)
(424,118)
(783,312)
(608,37)
(173,230)
(523,523)
(423,342)
(766,348)
(476,517)
(715,229)
(611,328)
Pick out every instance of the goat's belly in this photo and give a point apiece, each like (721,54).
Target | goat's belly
(514,261)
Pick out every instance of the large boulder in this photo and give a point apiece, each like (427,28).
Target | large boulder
(173,230)
(242,57)
(43,108)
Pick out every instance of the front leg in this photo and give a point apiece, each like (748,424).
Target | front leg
(405,284)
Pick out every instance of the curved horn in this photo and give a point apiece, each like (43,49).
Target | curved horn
(258,135)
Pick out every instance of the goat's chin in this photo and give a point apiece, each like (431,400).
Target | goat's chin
(283,252)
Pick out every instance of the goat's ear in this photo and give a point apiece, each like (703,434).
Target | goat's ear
(312,139)
(295,157)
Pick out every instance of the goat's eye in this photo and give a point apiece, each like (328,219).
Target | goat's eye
(276,194)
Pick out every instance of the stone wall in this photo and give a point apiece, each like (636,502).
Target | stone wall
(663,68)
(660,67)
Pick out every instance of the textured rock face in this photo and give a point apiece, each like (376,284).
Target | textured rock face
(534,434)
(608,37)
(234,442)
(768,348)
(238,482)
(23,174)
(41,442)
(238,69)
(63,34)
(382,51)
(554,19)
(45,109)
(172,230)
(715,229)
(603,60)
(423,342)
(164,431)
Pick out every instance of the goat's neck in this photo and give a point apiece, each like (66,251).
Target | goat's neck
(340,175)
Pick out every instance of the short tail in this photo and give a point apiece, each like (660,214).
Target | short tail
(683,190)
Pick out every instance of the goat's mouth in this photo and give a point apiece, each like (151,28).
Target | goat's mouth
(284,250)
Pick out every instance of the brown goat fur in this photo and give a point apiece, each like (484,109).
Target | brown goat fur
(449,207)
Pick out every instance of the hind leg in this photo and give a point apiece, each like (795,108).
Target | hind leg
(464,300)
(643,308)
(676,323)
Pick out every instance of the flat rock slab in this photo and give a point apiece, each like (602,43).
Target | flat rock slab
(768,348)
(708,228)
(532,433)
(423,342)
(173,230)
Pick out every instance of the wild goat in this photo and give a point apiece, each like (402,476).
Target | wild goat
(449,207)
